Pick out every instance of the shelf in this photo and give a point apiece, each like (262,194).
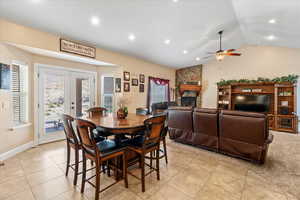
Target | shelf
(252,93)
(289,116)
(276,120)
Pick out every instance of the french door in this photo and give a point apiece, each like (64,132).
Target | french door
(62,91)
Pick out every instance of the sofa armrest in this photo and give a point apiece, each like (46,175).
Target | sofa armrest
(270,139)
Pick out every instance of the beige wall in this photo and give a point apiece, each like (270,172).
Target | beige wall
(12,139)
(21,35)
(256,61)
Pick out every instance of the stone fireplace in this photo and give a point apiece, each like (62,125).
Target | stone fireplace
(188,76)
(189,94)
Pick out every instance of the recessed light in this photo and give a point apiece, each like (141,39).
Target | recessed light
(272,21)
(271,37)
(175,1)
(184,51)
(198,59)
(131,37)
(167,41)
(95,21)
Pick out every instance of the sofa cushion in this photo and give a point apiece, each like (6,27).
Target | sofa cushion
(205,123)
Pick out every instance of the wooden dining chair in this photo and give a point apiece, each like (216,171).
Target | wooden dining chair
(147,143)
(99,153)
(96,111)
(72,143)
(163,150)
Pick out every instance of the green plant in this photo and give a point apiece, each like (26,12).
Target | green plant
(292,78)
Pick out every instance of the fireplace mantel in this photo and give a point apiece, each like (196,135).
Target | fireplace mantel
(189,88)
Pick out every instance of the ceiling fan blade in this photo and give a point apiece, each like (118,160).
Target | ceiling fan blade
(233,54)
(207,57)
(230,50)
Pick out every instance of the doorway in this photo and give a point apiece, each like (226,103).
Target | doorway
(62,91)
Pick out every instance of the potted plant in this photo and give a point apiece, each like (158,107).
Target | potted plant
(123,109)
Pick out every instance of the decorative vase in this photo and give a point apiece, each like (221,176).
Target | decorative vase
(121,114)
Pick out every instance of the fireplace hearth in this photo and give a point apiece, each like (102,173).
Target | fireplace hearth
(189,101)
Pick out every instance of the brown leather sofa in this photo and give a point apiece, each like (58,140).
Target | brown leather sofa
(205,132)
(180,123)
(244,134)
(239,134)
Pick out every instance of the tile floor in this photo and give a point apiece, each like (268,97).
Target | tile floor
(192,174)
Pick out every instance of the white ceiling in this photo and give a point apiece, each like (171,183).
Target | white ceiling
(191,25)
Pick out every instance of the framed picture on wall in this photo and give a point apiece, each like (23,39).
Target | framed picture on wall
(135,82)
(126,76)
(142,78)
(142,87)
(126,87)
(118,85)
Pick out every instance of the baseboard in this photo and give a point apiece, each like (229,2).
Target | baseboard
(15,151)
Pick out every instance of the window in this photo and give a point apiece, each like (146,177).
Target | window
(108,92)
(19,90)
(158,91)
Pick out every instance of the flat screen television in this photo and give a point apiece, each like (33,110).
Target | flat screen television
(252,103)
(4,77)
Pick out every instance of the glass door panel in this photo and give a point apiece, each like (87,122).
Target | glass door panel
(52,104)
(82,94)
(62,91)
(54,98)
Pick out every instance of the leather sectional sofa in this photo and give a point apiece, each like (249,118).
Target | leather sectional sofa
(240,134)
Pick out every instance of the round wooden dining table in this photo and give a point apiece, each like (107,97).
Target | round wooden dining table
(110,122)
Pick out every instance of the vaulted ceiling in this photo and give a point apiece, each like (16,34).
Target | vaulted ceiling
(161,30)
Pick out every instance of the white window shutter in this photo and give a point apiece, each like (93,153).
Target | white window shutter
(19,90)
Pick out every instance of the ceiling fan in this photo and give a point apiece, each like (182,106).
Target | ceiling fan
(220,54)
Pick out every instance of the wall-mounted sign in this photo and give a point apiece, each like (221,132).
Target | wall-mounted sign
(76,48)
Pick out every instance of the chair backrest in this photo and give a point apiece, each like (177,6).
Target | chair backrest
(86,136)
(154,128)
(142,111)
(96,111)
(68,129)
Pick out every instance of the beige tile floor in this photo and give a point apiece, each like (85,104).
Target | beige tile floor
(192,174)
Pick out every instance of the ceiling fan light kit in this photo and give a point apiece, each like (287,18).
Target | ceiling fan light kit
(220,56)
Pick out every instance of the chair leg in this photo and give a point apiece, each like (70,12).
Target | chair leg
(76,166)
(108,168)
(125,170)
(143,172)
(83,172)
(151,158)
(140,162)
(68,158)
(97,188)
(165,150)
(157,164)
(103,168)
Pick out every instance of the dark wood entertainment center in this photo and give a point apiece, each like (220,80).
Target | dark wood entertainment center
(282,105)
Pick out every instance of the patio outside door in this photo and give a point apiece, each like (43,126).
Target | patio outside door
(62,91)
